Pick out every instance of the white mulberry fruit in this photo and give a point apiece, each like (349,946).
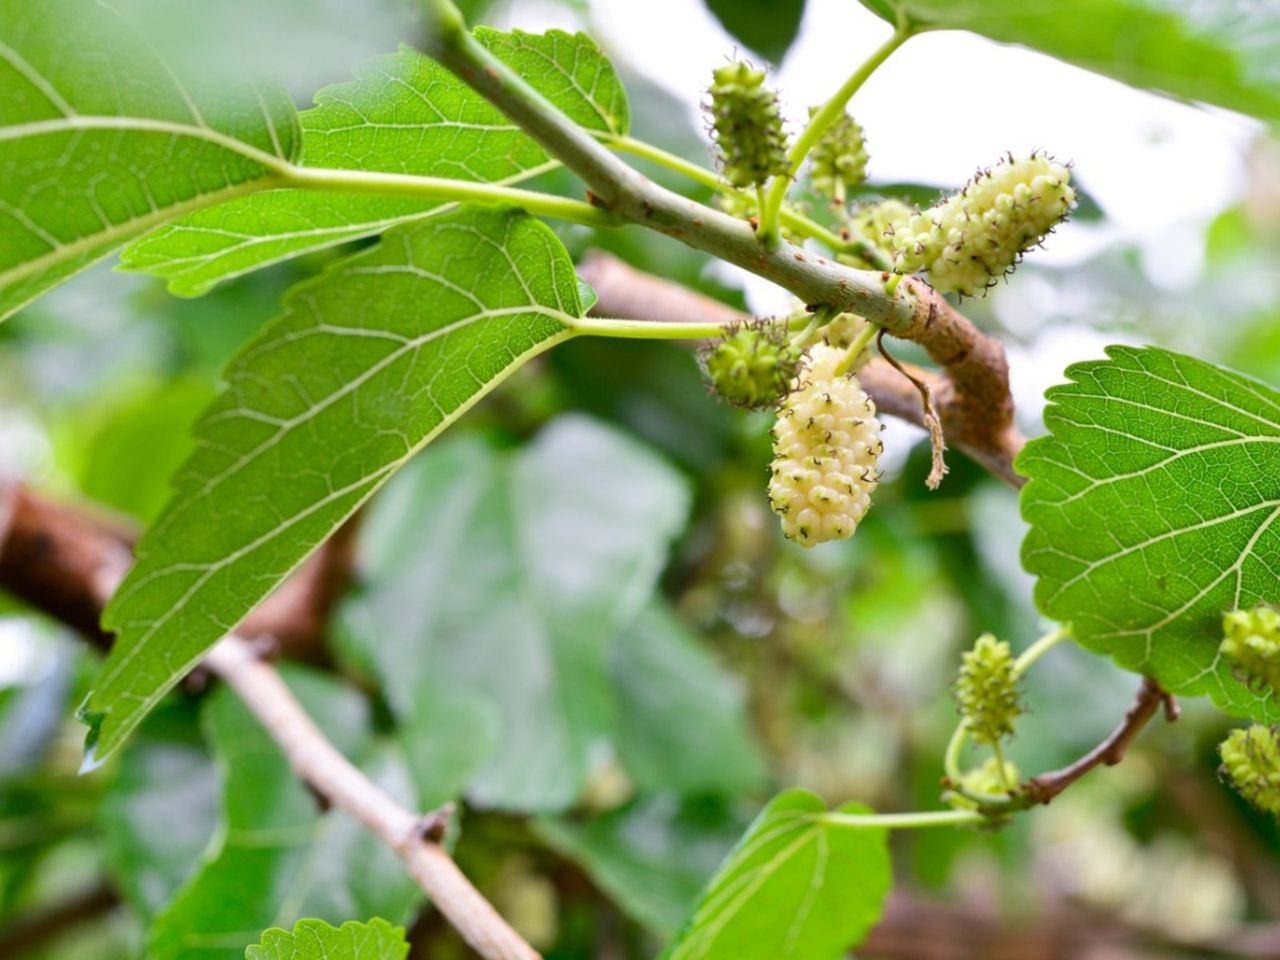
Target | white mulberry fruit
(972,238)
(826,447)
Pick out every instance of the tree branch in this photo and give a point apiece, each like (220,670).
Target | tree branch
(67,563)
(912,310)
(1150,698)
(318,763)
(972,396)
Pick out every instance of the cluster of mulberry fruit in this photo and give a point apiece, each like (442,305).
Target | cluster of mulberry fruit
(1251,763)
(987,690)
(747,125)
(972,238)
(1251,642)
(826,448)
(751,367)
(839,159)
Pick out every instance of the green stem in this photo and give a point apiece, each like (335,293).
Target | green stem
(1039,649)
(767,219)
(440,188)
(825,117)
(808,335)
(955,747)
(647,329)
(797,223)
(864,340)
(998,749)
(664,158)
(903,821)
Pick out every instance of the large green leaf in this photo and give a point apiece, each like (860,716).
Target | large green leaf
(369,362)
(101,140)
(403,114)
(1219,51)
(497,585)
(796,886)
(277,857)
(317,940)
(681,724)
(1153,506)
(652,857)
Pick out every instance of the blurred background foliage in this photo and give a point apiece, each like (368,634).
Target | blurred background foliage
(676,660)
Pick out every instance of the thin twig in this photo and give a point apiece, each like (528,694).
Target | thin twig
(317,762)
(1150,699)
(929,416)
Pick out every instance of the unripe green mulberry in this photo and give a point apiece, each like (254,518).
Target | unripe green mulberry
(987,690)
(969,240)
(1251,762)
(839,159)
(1252,644)
(751,366)
(747,125)
(826,447)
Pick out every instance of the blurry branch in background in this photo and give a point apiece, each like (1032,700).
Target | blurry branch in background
(971,393)
(917,928)
(39,927)
(67,562)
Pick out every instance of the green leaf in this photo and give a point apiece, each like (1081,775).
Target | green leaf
(1153,506)
(768,27)
(277,857)
(316,940)
(101,140)
(652,857)
(403,114)
(369,362)
(794,887)
(160,811)
(139,440)
(1218,51)
(497,584)
(681,724)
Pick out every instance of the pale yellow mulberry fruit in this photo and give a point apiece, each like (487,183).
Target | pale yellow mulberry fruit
(826,447)
(972,238)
